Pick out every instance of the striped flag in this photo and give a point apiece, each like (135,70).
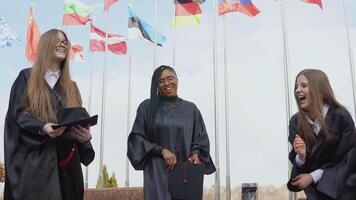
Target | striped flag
(317,2)
(76,53)
(107,4)
(33,37)
(77,13)
(187,13)
(7,35)
(116,43)
(247,7)
(225,7)
(139,29)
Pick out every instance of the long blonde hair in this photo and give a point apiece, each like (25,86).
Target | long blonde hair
(37,93)
(321,93)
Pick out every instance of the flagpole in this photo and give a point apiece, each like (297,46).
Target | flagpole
(127,183)
(292,195)
(352,67)
(89,105)
(216,116)
(174,36)
(101,181)
(155,42)
(227,130)
(128,122)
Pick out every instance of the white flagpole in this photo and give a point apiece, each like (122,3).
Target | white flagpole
(127,177)
(352,67)
(216,115)
(155,39)
(292,195)
(227,118)
(174,35)
(89,103)
(101,181)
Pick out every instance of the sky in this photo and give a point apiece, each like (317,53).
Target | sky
(254,56)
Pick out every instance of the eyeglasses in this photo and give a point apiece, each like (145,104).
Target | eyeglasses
(169,79)
(62,42)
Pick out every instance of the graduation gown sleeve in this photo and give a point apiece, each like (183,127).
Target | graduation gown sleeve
(200,142)
(86,151)
(138,144)
(17,105)
(336,173)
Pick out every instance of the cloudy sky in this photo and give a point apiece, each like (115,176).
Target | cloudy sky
(257,115)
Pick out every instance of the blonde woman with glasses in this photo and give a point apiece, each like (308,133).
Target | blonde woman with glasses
(43,163)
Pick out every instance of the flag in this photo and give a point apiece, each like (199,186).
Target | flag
(107,4)
(225,7)
(247,7)
(187,13)
(317,2)
(116,43)
(76,53)
(138,28)
(76,12)
(33,37)
(7,35)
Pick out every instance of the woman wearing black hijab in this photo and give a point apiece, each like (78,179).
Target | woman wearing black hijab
(167,130)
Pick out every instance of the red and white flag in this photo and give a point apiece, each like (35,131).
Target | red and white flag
(107,4)
(76,53)
(317,2)
(33,37)
(116,43)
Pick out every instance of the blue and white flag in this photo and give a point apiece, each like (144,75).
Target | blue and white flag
(7,35)
(139,29)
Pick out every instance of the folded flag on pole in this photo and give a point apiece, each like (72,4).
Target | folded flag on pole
(116,43)
(225,7)
(7,35)
(247,7)
(317,2)
(76,53)
(33,37)
(107,4)
(139,29)
(77,13)
(187,13)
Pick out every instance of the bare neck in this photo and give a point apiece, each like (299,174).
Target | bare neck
(54,66)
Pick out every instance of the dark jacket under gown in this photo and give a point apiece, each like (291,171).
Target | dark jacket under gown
(31,157)
(337,157)
(179,127)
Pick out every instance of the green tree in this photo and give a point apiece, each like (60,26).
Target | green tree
(107,182)
(113,181)
(106,179)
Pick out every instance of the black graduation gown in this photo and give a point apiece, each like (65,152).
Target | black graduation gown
(178,127)
(31,158)
(337,157)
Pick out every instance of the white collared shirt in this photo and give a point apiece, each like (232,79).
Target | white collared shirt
(316,127)
(52,77)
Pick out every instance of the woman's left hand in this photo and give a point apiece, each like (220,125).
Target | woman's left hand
(80,133)
(302,181)
(194,158)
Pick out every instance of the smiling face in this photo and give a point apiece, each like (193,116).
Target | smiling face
(168,83)
(61,48)
(302,93)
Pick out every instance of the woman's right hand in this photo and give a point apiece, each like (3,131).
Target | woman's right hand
(300,147)
(53,133)
(169,158)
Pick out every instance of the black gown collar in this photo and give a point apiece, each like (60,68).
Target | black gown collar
(164,99)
